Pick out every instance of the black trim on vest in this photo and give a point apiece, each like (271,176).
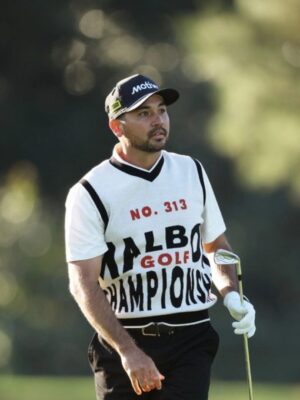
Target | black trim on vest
(98,203)
(128,169)
(200,173)
(206,260)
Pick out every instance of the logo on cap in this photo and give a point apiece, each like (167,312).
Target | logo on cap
(143,86)
(116,105)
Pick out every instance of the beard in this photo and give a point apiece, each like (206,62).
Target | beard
(149,145)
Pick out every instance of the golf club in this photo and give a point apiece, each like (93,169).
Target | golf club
(225,257)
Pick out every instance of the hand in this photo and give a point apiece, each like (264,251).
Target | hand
(142,371)
(243,312)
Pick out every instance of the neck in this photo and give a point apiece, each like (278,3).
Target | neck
(138,158)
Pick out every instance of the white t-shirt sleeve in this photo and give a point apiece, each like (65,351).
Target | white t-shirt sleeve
(84,227)
(213,225)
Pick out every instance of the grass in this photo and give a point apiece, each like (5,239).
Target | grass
(46,388)
(239,391)
(79,388)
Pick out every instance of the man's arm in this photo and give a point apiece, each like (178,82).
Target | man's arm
(224,277)
(84,286)
(225,280)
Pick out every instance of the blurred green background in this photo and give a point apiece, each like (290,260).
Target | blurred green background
(237,66)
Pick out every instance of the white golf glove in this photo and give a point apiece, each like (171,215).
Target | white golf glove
(244,313)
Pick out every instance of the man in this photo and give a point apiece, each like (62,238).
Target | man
(139,230)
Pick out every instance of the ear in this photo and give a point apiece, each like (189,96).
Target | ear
(116,126)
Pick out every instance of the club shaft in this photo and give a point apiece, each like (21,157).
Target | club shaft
(246,346)
(248,367)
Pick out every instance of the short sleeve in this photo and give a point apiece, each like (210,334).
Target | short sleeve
(84,227)
(213,225)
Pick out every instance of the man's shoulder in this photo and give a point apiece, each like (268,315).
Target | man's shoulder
(98,170)
(180,158)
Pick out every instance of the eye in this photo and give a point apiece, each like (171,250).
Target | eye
(143,113)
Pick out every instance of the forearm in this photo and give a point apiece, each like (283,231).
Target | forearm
(96,309)
(224,277)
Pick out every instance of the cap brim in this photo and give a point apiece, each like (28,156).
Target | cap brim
(169,96)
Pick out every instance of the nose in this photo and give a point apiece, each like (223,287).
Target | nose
(157,119)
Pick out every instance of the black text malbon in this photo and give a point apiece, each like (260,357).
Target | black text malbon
(183,287)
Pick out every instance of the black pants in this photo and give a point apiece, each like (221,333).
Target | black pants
(184,358)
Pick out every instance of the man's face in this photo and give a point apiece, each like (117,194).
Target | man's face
(147,127)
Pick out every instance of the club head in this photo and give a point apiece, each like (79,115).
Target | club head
(225,257)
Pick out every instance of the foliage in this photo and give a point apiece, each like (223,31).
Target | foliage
(252,57)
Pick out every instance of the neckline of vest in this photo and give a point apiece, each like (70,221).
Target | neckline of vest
(139,173)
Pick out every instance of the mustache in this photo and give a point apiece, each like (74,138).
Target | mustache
(154,131)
